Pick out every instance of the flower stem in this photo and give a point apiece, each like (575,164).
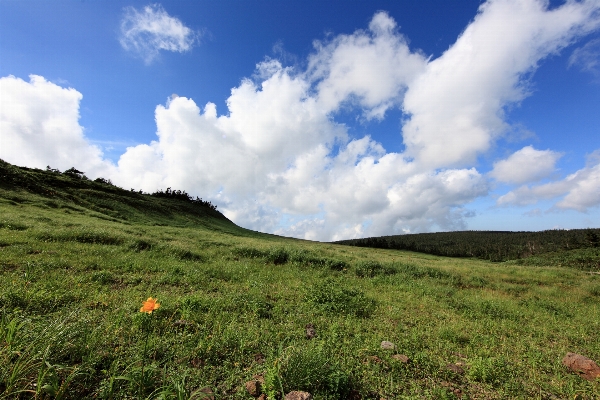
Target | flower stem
(144,360)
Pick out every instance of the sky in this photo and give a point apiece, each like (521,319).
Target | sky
(322,120)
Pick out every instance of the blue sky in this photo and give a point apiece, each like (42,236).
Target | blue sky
(318,119)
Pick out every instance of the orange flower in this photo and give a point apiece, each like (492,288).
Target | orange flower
(150,305)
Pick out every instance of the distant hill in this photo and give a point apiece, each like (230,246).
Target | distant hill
(71,189)
(488,245)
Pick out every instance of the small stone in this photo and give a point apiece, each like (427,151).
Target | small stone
(402,358)
(259,378)
(254,388)
(387,345)
(585,367)
(262,397)
(457,369)
(259,358)
(208,393)
(375,359)
(297,395)
(197,362)
(310,331)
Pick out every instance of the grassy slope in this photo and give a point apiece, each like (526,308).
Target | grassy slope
(76,263)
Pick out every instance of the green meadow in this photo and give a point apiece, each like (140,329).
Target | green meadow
(78,258)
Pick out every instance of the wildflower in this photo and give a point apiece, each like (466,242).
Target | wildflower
(150,305)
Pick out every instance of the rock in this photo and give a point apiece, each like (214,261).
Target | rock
(259,378)
(402,358)
(583,366)
(262,397)
(207,393)
(387,345)
(254,388)
(297,395)
(197,362)
(457,369)
(310,331)
(374,359)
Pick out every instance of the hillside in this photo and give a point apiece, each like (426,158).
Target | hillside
(78,259)
(579,248)
(101,199)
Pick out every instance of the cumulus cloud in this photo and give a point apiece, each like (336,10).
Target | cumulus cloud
(148,31)
(276,160)
(39,126)
(456,106)
(525,165)
(373,68)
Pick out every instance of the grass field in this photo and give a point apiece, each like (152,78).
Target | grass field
(234,304)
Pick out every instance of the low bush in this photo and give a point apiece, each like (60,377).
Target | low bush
(331,296)
(371,269)
(141,245)
(594,290)
(103,277)
(38,302)
(278,256)
(12,225)
(312,368)
(249,252)
(493,370)
(81,236)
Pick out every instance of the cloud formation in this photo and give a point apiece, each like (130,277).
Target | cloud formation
(526,165)
(276,160)
(457,105)
(587,57)
(39,126)
(145,33)
(370,68)
(579,191)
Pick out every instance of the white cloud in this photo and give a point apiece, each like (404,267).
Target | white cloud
(579,191)
(277,161)
(526,165)
(457,104)
(587,57)
(39,126)
(536,212)
(373,68)
(147,32)
(271,155)
(584,191)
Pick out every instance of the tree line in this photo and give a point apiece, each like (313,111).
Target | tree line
(169,193)
(487,245)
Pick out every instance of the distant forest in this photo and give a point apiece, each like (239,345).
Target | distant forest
(487,245)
